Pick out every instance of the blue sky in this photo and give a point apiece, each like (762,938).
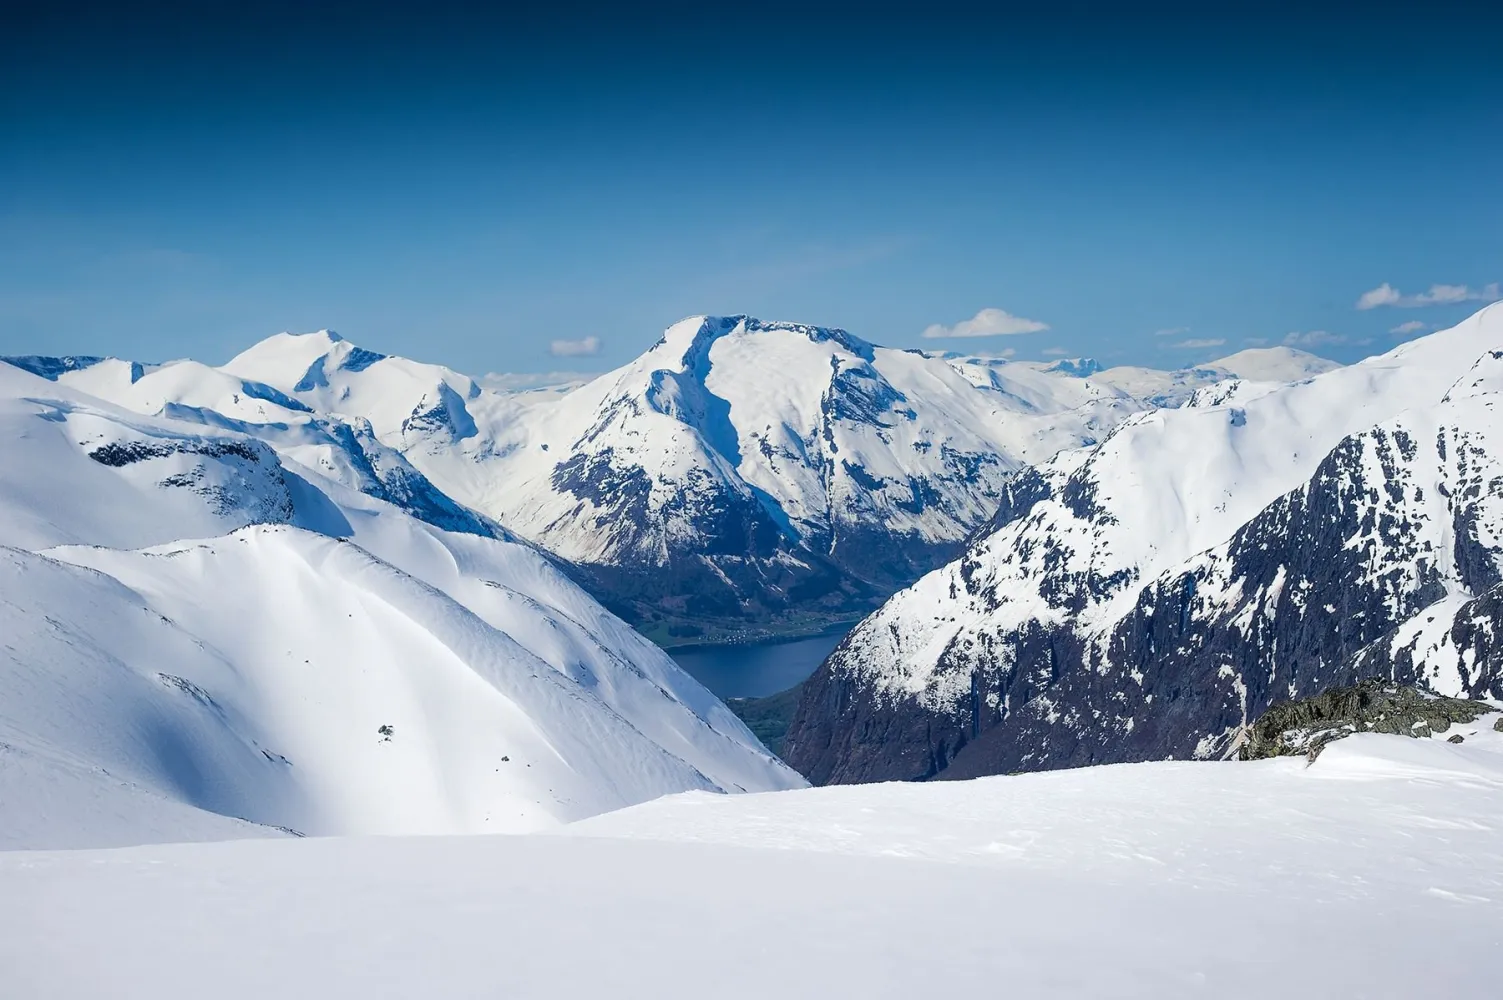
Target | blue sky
(1158,190)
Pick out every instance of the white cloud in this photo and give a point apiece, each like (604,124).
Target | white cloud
(1171,331)
(1055,352)
(986,323)
(574,348)
(1438,295)
(1413,326)
(1196,342)
(1384,295)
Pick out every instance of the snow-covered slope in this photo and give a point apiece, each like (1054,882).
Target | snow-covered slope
(738,469)
(319,658)
(1374,872)
(1273,364)
(1142,597)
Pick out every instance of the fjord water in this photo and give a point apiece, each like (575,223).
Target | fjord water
(758,669)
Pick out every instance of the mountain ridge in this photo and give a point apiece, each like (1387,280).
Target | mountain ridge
(1083,626)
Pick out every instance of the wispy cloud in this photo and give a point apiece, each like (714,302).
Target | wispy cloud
(1055,352)
(1322,338)
(1000,354)
(516,381)
(1438,295)
(986,323)
(1413,326)
(1196,342)
(1171,331)
(574,348)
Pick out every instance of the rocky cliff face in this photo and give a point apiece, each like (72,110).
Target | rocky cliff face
(1087,626)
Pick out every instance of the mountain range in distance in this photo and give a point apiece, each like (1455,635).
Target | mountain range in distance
(739,479)
(1059,564)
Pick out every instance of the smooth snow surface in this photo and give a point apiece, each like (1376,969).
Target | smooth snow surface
(1376,872)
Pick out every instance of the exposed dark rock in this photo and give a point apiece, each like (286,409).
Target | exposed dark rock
(1305,597)
(50,368)
(119,454)
(1305,726)
(1475,638)
(1019,495)
(253,487)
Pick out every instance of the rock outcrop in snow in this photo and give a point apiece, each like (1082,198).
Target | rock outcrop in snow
(1304,727)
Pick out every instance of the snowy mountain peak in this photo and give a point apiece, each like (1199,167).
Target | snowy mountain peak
(691,337)
(314,355)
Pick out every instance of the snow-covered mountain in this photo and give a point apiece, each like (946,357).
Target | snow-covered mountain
(267,614)
(1145,597)
(735,471)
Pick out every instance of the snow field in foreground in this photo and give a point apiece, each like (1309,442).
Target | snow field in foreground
(1376,872)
